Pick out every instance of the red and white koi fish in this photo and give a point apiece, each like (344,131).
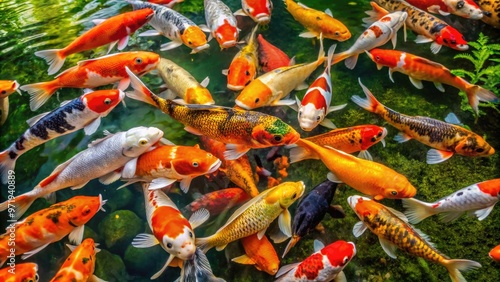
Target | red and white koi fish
(168,3)
(463,8)
(419,68)
(316,102)
(82,112)
(221,23)
(377,34)
(491,12)
(23,272)
(101,160)
(326,264)
(80,264)
(7,87)
(271,57)
(478,199)
(92,73)
(170,228)
(112,30)
(259,10)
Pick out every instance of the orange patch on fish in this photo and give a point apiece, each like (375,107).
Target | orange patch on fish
(172,226)
(490,187)
(376,30)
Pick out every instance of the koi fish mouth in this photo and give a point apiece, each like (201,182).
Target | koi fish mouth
(228,44)
(242,105)
(384,134)
(263,18)
(235,87)
(462,47)
(214,167)
(199,48)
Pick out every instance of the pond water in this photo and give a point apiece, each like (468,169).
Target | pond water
(33,25)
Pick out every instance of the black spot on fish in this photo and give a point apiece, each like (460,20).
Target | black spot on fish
(12,155)
(85,260)
(437,27)
(54,216)
(460,193)
(56,121)
(19,143)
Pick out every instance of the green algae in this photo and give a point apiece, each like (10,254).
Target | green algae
(119,228)
(110,267)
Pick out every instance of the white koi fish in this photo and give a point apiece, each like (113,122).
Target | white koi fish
(221,23)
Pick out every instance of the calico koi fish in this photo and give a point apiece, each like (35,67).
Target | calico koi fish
(240,130)
(50,225)
(24,272)
(478,199)
(174,26)
(198,269)
(419,68)
(168,3)
(93,73)
(101,160)
(491,12)
(377,34)
(317,22)
(182,84)
(429,27)
(218,201)
(80,264)
(446,138)
(256,215)
(85,112)
(495,253)
(260,253)
(463,8)
(259,10)
(7,87)
(349,140)
(170,228)
(271,57)
(112,30)
(326,264)
(393,231)
(222,23)
(368,177)
(164,165)
(316,102)
(269,88)
(243,67)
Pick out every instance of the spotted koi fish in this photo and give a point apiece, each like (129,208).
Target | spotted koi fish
(446,138)
(259,10)
(7,87)
(463,8)
(218,201)
(80,264)
(491,11)
(85,112)
(271,57)
(393,231)
(222,23)
(22,272)
(260,253)
(494,254)
(419,68)
(478,199)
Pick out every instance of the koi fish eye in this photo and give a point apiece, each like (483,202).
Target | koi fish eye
(247,73)
(318,118)
(143,141)
(4,91)
(379,134)
(257,100)
(300,113)
(209,155)
(190,234)
(337,33)
(277,138)
(169,245)
(190,42)
(345,260)
(107,101)
(195,164)
(86,211)
(394,193)
(138,60)
(294,195)
(269,4)
(377,58)
(460,4)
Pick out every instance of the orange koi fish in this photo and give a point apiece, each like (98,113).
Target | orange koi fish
(112,30)
(168,3)
(218,201)
(349,140)
(259,252)
(317,22)
(80,264)
(368,177)
(259,10)
(221,23)
(271,57)
(446,138)
(92,73)
(418,68)
(393,231)
(495,253)
(50,225)
(7,87)
(170,228)
(463,8)
(491,12)
(20,272)
(243,67)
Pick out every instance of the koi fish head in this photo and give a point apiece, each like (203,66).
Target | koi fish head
(87,251)
(80,209)
(383,58)
(371,135)
(195,38)
(103,101)
(309,116)
(26,272)
(139,140)
(141,62)
(286,193)
(196,162)
(474,146)
(258,10)
(452,38)
(339,253)
(241,72)
(495,253)
(364,207)
(199,95)
(257,94)
(226,35)
(182,245)
(8,87)
(274,133)
(400,188)
(465,8)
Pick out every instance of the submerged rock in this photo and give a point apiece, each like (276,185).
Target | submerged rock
(119,228)
(110,267)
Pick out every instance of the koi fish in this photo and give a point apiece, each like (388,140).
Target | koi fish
(495,253)
(101,160)
(269,88)
(24,272)
(258,10)
(182,84)
(419,68)
(271,57)
(316,102)
(377,34)
(114,30)
(174,26)
(82,112)
(368,177)
(93,73)
(170,228)
(393,231)
(463,8)
(222,23)
(164,165)
(50,225)
(243,67)
(218,201)
(7,87)
(428,27)
(491,12)
(240,130)
(168,3)
(478,199)
(311,210)
(256,215)
(317,22)
(80,264)
(326,264)
(260,253)
(198,269)
(446,138)
(349,140)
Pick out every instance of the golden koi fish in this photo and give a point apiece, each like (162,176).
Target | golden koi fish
(7,87)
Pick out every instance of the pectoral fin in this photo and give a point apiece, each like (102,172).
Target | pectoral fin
(92,127)
(388,247)
(358,229)
(436,156)
(284,223)
(144,240)
(244,259)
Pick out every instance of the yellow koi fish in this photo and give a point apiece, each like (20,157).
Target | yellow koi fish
(7,87)
(80,264)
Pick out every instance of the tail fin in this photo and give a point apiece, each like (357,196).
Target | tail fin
(331,51)
(416,210)
(298,154)
(350,62)
(476,93)
(6,164)
(20,204)
(340,57)
(141,92)
(371,104)
(374,15)
(454,267)
(321,53)
(54,58)
(39,92)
